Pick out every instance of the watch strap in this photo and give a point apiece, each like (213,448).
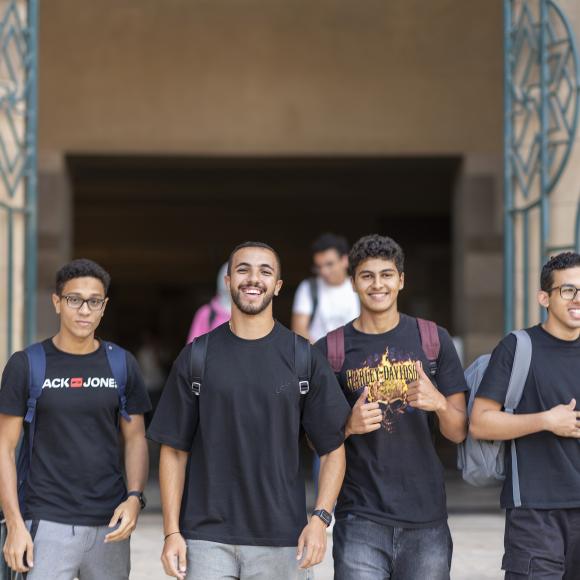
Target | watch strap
(139,495)
(324,516)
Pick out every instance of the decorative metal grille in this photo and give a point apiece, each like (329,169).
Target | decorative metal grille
(542,102)
(18,107)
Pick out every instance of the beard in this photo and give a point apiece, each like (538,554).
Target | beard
(252,309)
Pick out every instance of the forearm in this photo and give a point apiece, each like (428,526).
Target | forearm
(348,427)
(136,463)
(9,488)
(172,464)
(500,426)
(332,469)
(452,422)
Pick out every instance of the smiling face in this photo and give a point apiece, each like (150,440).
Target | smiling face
(80,322)
(253,280)
(563,315)
(378,283)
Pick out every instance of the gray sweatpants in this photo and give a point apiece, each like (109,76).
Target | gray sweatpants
(65,552)
(215,561)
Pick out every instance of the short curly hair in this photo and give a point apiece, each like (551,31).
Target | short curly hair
(81,268)
(562,261)
(376,246)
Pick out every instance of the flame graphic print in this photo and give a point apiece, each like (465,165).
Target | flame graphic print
(387,382)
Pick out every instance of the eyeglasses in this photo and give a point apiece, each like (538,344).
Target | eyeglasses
(77,302)
(567,291)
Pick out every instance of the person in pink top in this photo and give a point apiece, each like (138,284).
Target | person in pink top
(215,312)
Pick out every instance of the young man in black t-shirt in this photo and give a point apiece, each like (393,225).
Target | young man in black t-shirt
(391,518)
(76,514)
(542,536)
(233,499)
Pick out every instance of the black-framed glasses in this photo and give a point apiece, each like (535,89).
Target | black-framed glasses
(77,302)
(567,291)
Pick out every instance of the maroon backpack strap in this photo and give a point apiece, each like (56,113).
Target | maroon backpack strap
(430,343)
(335,348)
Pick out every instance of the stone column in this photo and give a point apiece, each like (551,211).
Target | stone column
(12,182)
(565,199)
(55,209)
(478,254)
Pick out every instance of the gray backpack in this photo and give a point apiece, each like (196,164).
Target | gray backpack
(482,463)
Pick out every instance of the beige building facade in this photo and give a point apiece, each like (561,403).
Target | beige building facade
(170,130)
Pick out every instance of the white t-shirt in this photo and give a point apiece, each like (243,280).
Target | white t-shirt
(337,305)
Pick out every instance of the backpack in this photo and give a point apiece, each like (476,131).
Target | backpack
(36,355)
(482,463)
(302,362)
(313,287)
(429,342)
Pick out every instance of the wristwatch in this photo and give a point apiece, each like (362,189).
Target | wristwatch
(324,516)
(141,496)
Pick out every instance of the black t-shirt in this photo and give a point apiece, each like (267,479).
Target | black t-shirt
(75,474)
(243,482)
(548,465)
(393,475)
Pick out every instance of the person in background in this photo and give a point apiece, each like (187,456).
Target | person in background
(215,312)
(149,357)
(327,301)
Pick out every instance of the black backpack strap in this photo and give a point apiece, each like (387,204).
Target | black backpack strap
(197,358)
(302,363)
(313,286)
(117,358)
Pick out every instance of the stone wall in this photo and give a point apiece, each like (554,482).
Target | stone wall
(255,77)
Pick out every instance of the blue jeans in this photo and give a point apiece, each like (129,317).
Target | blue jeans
(365,550)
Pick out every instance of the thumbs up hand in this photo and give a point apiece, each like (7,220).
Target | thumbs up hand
(422,393)
(364,417)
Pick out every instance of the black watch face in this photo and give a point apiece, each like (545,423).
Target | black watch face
(140,497)
(324,516)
